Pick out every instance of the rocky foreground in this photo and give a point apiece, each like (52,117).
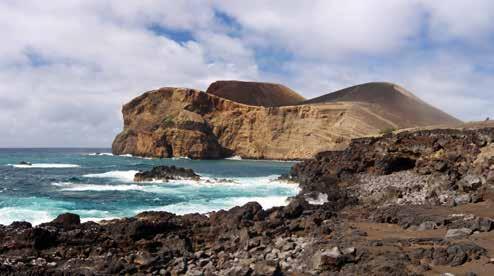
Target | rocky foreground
(416,203)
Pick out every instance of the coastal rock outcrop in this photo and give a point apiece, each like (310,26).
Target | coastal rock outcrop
(166,173)
(175,122)
(438,166)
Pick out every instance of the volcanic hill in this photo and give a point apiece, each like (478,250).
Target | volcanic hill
(265,121)
(255,93)
(401,105)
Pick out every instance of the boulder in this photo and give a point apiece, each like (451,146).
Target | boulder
(458,233)
(460,253)
(470,183)
(330,259)
(268,268)
(462,199)
(295,208)
(66,221)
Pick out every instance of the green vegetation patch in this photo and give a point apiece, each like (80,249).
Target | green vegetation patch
(388,130)
(168,121)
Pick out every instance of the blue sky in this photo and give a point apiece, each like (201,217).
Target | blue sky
(66,67)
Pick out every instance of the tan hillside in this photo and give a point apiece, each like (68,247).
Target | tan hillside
(255,93)
(172,122)
(400,105)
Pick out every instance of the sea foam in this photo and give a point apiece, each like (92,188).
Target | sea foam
(99,154)
(236,157)
(76,187)
(127,176)
(206,206)
(44,166)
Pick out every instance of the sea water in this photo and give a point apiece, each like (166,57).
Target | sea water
(98,185)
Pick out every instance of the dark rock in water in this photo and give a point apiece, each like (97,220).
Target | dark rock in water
(20,225)
(166,173)
(66,221)
(25,163)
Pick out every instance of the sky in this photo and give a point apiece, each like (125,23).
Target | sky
(68,66)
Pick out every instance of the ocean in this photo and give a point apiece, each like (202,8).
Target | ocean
(98,185)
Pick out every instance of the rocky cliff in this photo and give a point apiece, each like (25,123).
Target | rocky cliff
(172,122)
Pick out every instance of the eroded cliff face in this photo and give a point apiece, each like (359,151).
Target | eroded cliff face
(175,122)
(166,123)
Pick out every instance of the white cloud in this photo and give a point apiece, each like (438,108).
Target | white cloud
(460,19)
(66,67)
(328,29)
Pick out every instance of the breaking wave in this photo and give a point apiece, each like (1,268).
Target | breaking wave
(44,166)
(127,176)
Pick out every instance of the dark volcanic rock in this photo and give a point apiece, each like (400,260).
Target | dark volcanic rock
(66,221)
(457,162)
(166,173)
(349,219)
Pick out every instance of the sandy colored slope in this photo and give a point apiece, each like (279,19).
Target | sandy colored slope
(172,122)
(185,122)
(400,105)
(255,93)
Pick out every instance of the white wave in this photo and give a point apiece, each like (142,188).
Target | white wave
(236,157)
(127,176)
(265,160)
(147,188)
(68,186)
(35,217)
(97,219)
(319,200)
(266,202)
(204,207)
(270,181)
(94,215)
(99,154)
(133,156)
(250,185)
(181,157)
(44,166)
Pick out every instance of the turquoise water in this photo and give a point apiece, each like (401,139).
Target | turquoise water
(101,186)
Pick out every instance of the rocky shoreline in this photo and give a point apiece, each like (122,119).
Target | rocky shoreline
(413,203)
